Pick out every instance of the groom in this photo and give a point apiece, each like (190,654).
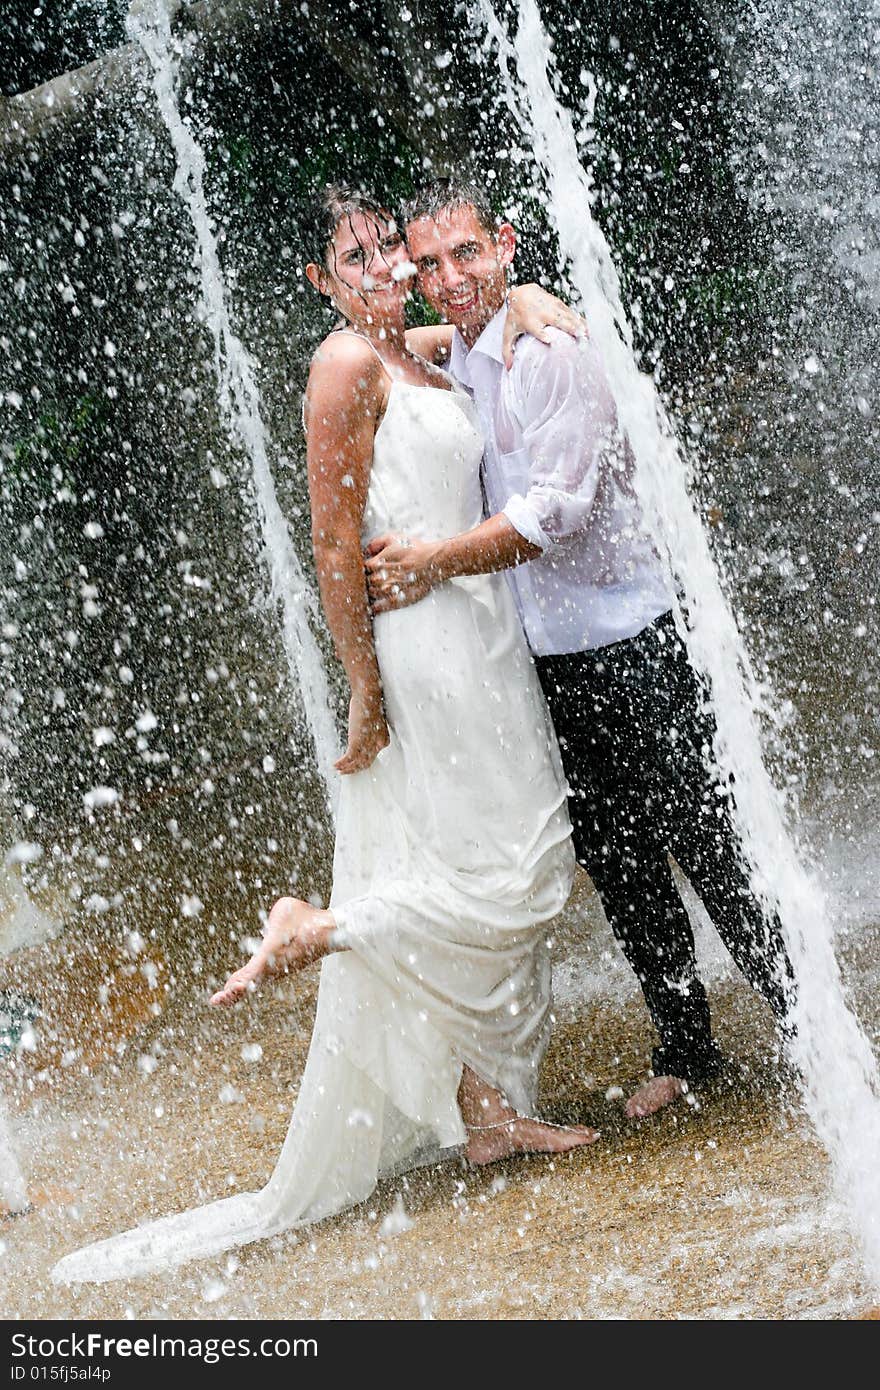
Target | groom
(595,602)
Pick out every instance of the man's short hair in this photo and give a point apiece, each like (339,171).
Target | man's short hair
(445,195)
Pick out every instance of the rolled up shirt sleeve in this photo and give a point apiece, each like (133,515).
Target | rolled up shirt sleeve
(522,515)
(566,413)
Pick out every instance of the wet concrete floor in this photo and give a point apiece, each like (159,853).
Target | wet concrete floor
(717,1209)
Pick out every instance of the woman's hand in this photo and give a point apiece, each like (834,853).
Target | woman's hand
(533,310)
(367,732)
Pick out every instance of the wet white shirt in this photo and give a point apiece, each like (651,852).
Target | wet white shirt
(556,466)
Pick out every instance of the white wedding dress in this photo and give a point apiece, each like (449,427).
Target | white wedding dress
(452,852)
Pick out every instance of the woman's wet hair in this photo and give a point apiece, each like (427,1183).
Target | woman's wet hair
(335,204)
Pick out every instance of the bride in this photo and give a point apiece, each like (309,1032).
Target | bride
(453,848)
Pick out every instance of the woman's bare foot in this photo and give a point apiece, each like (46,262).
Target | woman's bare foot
(296,934)
(520,1135)
(495,1130)
(648,1099)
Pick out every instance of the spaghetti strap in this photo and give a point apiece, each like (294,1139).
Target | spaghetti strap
(452,385)
(351,333)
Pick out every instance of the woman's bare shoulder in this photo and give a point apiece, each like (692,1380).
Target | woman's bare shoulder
(345,375)
(343,352)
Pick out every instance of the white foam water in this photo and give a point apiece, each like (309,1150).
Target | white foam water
(149,25)
(840,1079)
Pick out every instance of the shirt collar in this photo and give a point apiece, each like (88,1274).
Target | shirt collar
(487,345)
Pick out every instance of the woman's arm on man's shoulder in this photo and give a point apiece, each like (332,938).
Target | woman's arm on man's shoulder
(531,310)
(431,341)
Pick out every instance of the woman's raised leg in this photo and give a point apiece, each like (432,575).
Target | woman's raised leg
(296,934)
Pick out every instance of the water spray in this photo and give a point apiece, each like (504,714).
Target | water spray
(840,1079)
(149,25)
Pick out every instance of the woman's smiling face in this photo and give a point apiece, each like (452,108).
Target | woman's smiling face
(367,269)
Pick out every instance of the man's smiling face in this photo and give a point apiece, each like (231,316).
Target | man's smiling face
(461,267)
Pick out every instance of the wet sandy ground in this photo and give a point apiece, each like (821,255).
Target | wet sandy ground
(720,1209)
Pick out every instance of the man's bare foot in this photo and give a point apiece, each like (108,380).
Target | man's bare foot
(296,935)
(648,1099)
(519,1135)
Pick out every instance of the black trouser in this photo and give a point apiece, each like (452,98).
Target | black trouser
(636,746)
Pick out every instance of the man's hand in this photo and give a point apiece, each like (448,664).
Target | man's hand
(399,572)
